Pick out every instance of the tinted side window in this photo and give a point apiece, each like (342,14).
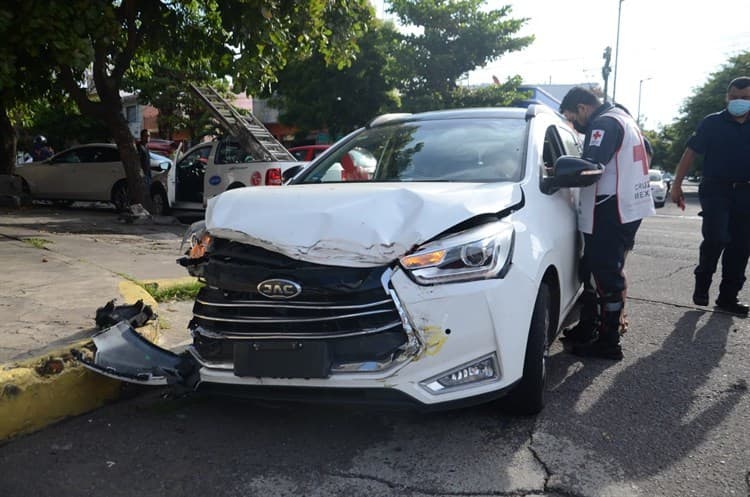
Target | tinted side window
(71,156)
(570,142)
(551,151)
(230,152)
(200,155)
(105,154)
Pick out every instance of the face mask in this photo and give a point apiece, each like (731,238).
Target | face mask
(581,129)
(738,107)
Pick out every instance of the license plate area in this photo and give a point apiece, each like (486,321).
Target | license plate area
(282,359)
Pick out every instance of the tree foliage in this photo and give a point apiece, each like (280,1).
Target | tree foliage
(395,71)
(661,142)
(446,39)
(248,39)
(24,76)
(315,95)
(706,99)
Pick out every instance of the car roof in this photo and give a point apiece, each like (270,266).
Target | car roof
(522,112)
(81,145)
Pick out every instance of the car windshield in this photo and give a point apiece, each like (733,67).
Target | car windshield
(460,150)
(654,176)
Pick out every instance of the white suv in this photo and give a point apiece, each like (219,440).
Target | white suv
(439,277)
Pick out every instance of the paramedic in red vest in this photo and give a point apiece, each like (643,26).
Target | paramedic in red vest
(723,138)
(609,214)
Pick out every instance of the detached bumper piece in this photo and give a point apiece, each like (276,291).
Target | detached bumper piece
(110,314)
(123,354)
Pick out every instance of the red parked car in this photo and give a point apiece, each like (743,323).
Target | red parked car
(307,152)
(161,146)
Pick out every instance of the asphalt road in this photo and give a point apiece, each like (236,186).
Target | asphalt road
(672,419)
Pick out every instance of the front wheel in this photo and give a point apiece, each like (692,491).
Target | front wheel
(159,203)
(527,397)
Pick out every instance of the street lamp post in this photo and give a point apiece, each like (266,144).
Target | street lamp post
(617,51)
(640,89)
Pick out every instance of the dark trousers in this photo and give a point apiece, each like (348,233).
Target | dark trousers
(604,253)
(726,234)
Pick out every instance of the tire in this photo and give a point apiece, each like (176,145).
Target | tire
(659,205)
(62,203)
(25,186)
(159,203)
(120,196)
(528,396)
(234,186)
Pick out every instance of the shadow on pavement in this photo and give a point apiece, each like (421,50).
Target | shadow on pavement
(87,220)
(656,411)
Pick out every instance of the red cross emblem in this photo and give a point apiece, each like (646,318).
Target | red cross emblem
(597,135)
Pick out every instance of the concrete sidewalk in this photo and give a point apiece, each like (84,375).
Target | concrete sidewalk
(59,267)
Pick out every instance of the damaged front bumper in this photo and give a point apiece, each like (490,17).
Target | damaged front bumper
(122,353)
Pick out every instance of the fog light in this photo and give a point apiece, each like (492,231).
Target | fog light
(483,370)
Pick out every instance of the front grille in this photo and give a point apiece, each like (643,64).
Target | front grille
(238,313)
(346,307)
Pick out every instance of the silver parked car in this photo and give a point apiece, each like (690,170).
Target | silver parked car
(91,172)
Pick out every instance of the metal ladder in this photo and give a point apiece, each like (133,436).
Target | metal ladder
(249,131)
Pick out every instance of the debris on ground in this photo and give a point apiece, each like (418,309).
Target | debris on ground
(136,214)
(136,315)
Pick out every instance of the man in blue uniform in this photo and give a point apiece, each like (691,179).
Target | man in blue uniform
(723,138)
(610,213)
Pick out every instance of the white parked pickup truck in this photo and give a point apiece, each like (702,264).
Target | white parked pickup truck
(211,168)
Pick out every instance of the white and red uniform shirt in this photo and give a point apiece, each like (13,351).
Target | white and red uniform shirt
(625,173)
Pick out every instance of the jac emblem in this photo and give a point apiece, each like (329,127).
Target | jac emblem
(279,289)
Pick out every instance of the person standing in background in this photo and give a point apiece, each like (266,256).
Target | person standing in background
(145,156)
(723,138)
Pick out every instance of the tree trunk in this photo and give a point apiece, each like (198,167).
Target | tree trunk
(8,141)
(109,110)
(118,127)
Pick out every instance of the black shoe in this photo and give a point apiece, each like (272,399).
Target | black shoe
(700,295)
(733,306)
(578,334)
(599,348)
(700,298)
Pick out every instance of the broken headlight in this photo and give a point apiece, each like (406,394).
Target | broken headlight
(477,253)
(198,239)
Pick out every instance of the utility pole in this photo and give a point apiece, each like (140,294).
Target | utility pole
(606,69)
(617,51)
(640,88)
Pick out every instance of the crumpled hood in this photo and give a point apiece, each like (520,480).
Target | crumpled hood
(358,225)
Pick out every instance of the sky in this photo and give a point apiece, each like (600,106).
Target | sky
(667,48)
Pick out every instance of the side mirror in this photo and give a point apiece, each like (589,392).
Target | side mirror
(291,173)
(161,167)
(572,172)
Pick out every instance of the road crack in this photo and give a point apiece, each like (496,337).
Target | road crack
(401,488)
(547,489)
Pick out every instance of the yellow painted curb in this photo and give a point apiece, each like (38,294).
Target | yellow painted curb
(30,401)
(38,392)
